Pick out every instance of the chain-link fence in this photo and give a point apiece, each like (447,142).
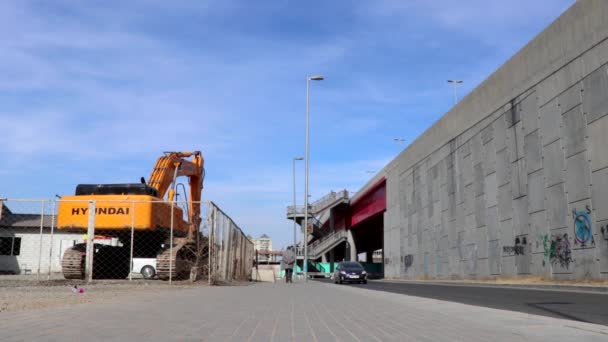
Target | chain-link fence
(55,240)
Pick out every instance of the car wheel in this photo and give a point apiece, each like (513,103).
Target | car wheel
(364,282)
(340,281)
(148,272)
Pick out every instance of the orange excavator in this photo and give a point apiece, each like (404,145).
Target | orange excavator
(149,210)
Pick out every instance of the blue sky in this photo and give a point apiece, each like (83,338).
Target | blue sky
(93,92)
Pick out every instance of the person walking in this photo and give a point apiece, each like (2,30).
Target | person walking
(289,259)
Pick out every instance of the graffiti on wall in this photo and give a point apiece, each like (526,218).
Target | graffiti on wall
(518,248)
(408,260)
(583,234)
(557,250)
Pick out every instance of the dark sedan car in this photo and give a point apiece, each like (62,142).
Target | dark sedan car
(350,271)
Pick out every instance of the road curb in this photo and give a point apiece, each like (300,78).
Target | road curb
(555,287)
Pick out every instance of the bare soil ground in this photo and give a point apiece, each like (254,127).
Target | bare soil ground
(26,294)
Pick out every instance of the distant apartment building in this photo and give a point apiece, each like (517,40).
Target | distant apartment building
(263,243)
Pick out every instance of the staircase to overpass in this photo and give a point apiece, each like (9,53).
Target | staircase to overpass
(319,211)
(323,236)
(323,245)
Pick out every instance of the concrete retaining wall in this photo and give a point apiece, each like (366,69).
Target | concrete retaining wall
(514,179)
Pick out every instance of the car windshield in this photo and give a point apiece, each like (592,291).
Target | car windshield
(351,265)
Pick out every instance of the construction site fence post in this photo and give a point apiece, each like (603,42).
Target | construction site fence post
(53,207)
(211,237)
(229,250)
(40,238)
(226,250)
(90,242)
(132,241)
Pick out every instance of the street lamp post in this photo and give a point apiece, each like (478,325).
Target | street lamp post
(455,83)
(295,211)
(308,79)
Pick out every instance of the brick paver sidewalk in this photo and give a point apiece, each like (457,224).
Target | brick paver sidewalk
(279,312)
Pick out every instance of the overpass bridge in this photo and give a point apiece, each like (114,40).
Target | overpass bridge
(518,167)
(344,227)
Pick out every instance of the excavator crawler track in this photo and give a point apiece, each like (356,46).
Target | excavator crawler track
(109,262)
(72,264)
(175,263)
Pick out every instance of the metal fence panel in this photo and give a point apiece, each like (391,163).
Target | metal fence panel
(232,253)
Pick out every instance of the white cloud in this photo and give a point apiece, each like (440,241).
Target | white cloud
(21,134)
(493,22)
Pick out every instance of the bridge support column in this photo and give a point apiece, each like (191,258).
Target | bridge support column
(323,258)
(351,252)
(331,261)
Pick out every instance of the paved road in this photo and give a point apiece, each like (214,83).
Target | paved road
(279,312)
(578,306)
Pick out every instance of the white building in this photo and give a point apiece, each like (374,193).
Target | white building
(23,248)
(263,243)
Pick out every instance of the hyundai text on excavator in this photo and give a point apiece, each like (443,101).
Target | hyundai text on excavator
(144,209)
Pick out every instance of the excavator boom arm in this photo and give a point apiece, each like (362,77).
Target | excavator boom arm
(173,165)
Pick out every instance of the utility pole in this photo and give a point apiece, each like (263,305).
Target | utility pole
(308,79)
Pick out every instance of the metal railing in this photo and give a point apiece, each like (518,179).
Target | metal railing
(328,199)
(319,204)
(299,210)
(315,222)
(312,219)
